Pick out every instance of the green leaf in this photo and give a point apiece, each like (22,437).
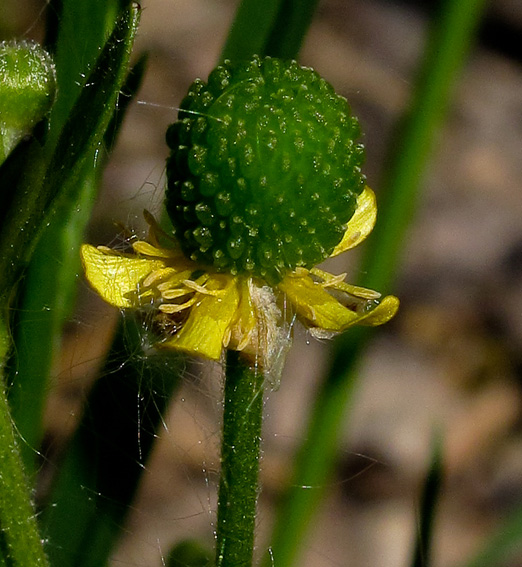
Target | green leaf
(81,136)
(37,181)
(49,288)
(76,31)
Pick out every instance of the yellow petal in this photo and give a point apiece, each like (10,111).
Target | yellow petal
(381,314)
(207,330)
(315,305)
(115,277)
(361,224)
(318,309)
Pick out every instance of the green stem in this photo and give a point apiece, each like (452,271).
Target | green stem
(238,487)
(20,543)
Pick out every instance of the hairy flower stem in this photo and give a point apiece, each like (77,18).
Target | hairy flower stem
(20,543)
(238,487)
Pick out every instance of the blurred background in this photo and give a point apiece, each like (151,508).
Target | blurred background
(451,360)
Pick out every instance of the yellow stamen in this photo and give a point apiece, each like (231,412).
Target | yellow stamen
(175,293)
(147,249)
(177,307)
(174,280)
(338,283)
(158,275)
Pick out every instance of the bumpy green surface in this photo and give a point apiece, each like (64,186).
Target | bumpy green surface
(264,170)
(27,90)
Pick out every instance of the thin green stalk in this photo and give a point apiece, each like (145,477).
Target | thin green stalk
(20,543)
(448,45)
(240,449)
(290,27)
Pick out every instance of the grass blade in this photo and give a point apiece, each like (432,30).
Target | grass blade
(430,497)
(275,28)
(251,28)
(289,28)
(447,48)
(448,45)
(75,33)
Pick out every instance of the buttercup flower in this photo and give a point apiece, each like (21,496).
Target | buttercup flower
(264,182)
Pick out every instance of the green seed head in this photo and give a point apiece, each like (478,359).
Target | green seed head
(264,170)
(27,90)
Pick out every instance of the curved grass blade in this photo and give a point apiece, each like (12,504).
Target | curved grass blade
(451,37)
